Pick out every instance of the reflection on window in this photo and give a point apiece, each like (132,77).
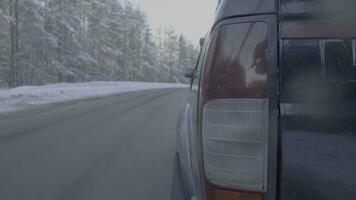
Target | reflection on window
(304,79)
(237,61)
(338,60)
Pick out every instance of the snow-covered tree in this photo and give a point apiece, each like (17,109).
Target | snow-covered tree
(47,41)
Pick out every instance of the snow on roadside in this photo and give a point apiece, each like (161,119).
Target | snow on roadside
(22,97)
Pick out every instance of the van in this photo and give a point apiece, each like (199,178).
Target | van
(271,112)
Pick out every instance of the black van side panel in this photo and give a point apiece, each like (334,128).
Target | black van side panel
(318,127)
(329,7)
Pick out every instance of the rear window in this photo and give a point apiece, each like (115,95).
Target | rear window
(316,71)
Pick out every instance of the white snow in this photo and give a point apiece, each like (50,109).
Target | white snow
(22,97)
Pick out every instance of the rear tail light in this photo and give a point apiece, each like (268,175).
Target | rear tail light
(235,142)
(234,113)
(231,195)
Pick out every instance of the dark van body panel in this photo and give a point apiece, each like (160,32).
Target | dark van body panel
(331,8)
(317,29)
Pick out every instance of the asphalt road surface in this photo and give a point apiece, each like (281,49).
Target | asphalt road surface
(118,147)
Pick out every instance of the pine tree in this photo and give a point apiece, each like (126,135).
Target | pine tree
(49,41)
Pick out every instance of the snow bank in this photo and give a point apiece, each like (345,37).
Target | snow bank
(22,97)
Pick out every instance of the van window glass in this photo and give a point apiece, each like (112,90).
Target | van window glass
(313,75)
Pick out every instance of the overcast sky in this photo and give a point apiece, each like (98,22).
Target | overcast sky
(190,17)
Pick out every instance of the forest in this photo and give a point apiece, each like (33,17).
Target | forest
(51,41)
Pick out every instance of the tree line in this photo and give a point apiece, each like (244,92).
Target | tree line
(49,41)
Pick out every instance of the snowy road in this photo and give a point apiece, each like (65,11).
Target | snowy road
(24,97)
(117,147)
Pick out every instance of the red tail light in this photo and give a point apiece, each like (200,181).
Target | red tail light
(231,195)
(234,112)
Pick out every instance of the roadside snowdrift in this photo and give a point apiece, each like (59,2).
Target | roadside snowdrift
(22,97)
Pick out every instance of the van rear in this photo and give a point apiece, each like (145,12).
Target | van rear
(272,110)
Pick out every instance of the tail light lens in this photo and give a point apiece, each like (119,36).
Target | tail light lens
(231,195)
(235,142)
(234,111)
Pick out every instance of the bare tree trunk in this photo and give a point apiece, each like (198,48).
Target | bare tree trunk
(12,51)
(13,11)
(17,47)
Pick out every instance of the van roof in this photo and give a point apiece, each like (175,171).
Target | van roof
(230,8)
(287,8)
